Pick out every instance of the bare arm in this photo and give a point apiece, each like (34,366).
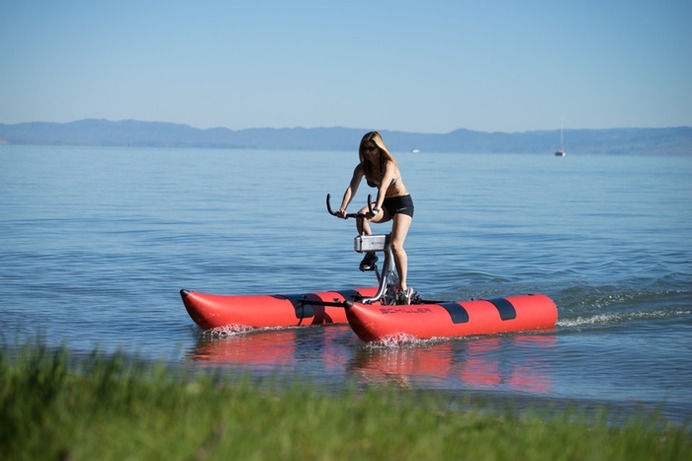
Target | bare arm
(351,190)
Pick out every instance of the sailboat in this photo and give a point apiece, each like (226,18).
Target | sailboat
(561,151)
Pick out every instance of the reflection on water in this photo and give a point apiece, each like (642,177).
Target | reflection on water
(265,351)
(472,363)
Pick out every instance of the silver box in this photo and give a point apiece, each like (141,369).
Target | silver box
(369,243)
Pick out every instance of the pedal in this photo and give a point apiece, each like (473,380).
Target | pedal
(368,269)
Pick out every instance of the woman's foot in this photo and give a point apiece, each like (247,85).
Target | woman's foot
(368,262)
(407,296)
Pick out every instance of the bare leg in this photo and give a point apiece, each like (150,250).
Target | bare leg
(400,227)
(363,225)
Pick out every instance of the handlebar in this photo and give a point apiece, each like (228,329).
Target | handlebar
(350,215)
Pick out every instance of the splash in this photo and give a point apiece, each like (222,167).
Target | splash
(400,340)
(227,331)
(620,317)
(232,330)
(600,319)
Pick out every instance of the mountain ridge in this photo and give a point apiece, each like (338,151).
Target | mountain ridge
(101,132)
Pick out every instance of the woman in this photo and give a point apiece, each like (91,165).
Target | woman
(393,202)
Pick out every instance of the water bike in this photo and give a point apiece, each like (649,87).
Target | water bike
(373,312)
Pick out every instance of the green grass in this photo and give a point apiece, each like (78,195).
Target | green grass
(54,406)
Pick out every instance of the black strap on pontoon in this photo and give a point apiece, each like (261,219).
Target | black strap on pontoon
(505,308)
(350,295)
(456,311)
(302,304)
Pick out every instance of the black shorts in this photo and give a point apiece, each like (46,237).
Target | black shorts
(402,204)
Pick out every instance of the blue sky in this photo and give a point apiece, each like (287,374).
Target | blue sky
(422,66)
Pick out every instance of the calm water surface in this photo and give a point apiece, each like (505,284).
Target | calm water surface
(95,244)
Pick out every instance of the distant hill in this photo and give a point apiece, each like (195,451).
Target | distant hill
(91,132)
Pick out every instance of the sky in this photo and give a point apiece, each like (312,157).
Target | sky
(420,66)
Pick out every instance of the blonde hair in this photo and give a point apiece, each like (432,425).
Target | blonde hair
(375,137)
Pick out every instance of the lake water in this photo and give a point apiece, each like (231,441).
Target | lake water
(95,244)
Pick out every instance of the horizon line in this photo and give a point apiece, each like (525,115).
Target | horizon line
(341,127)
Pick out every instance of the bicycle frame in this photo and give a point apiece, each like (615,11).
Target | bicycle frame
(387,280)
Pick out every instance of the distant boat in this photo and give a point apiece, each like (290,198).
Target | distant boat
(415,151)
(561,151)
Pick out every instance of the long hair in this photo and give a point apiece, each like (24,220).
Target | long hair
(375,137)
